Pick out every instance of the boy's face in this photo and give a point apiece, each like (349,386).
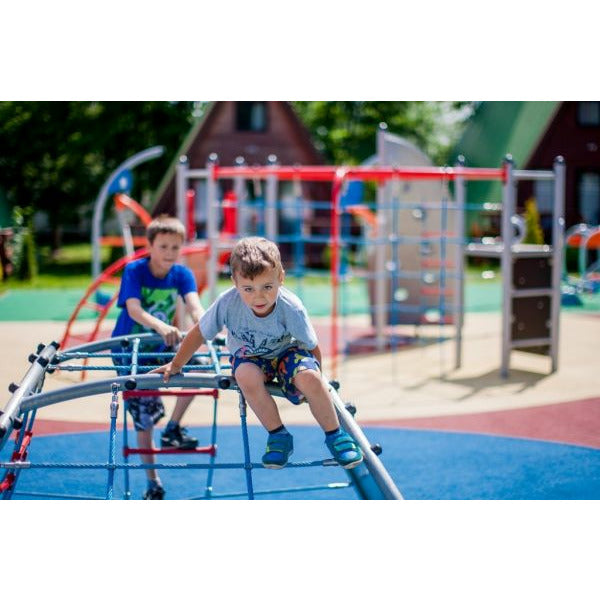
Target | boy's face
(260,294)
(164,253)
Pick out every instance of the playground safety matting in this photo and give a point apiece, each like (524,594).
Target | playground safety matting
(541,452)
(425,464)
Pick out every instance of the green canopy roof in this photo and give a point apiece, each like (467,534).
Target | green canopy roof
(499,128)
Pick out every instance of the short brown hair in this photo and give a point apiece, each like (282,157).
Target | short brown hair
(165,224)
(251,256)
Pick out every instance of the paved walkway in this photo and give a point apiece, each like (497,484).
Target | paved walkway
(414,387)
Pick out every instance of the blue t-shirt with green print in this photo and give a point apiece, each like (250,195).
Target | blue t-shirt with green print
(157,296)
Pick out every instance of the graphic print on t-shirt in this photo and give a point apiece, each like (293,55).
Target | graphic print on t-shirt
(160,303)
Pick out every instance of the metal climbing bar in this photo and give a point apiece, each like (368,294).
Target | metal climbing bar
(369,480)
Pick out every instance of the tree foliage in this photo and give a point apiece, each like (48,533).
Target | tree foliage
(344,131)
(55,156)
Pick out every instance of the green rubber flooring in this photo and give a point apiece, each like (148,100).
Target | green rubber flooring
(58,304)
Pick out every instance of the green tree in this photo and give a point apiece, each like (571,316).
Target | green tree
(344,131)
(55,156)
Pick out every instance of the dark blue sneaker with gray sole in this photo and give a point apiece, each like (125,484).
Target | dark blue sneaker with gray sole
(280,446)
(344,449)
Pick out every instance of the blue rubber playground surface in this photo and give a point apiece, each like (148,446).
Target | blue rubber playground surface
(425,465)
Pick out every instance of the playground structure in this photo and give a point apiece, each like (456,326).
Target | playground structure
(413,251)
(585,239)
(414,270)
(417,247)
(207,376)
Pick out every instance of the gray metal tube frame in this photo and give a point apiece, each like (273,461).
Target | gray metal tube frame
(212,230)
(375,467)
(24,401)
(379,294)
(181,190)
(508,209)
(27,386)
(130,163)
(148,382)
(271,209)
(558,240)
(459,305)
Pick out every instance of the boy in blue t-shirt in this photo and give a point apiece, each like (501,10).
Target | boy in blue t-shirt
(148,296)
(269,334)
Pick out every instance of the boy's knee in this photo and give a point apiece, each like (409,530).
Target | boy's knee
(307,379)
(249,376)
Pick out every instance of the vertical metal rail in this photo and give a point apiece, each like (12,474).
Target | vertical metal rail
(212,227)
(239,187)
(508,209)
(133,372)
(442,272)
(335,265)
(114,409)
(380,282)
(271,229)
(213,431)
(459,254)
(181,189)
(127,492)
(558,236)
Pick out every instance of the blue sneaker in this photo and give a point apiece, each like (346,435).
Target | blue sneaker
(280,446)
(344,449)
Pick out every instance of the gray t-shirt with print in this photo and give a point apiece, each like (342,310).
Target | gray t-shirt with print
(286,326)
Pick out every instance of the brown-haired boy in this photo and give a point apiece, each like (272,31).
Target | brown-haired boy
(148,296)
(269,334)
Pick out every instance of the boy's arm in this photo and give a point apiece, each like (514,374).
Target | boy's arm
(192,341)
(193,306)
(169,333)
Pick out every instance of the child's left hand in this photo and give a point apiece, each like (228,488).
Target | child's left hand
(167,370)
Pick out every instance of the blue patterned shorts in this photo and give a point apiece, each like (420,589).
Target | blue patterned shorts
(145,411)
(284,367)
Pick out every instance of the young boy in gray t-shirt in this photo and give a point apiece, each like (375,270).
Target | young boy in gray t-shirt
(269,334)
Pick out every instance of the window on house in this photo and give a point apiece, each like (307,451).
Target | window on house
(589,198)
(588,113)
(251,116)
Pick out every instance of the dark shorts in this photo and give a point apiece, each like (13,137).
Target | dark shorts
(284,367)
(145,411)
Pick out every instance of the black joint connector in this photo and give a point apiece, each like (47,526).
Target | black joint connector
(131,384)
(32,358)
(224,383)
(44,362)
(350,408)
(40,347)
(377,449)
(55,344)
(219,340)
(13,387)
(125,343)
(17,423)
(335,384)
(2,432)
